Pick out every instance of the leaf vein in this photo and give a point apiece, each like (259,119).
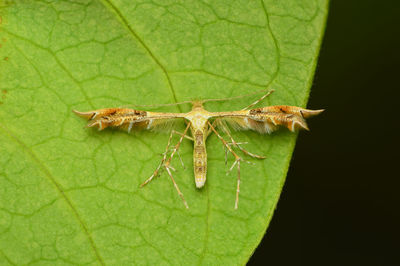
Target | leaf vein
(145,46)
(58,187)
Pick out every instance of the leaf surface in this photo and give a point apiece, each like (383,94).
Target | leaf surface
(70,195)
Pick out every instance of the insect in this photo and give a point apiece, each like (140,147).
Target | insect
(201,124)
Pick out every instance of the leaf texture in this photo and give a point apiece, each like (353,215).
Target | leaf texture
(70,195)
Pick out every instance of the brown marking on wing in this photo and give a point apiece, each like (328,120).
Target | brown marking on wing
(268,119)
(286,109)
(115,117)
(291,117)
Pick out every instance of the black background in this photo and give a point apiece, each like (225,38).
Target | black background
(341,204)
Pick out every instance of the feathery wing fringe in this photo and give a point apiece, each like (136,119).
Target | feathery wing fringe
(268,119)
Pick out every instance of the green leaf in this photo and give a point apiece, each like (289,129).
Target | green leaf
(70,195)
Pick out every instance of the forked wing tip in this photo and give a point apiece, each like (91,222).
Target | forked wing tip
(79,113)
(307,113)
(87,115)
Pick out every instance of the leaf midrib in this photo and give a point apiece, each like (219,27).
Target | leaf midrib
(133,33)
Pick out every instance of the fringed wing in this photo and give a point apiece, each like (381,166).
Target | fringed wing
(127,119)
(269,119)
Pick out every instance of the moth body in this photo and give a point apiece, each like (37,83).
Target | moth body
(198,119)
(263,120)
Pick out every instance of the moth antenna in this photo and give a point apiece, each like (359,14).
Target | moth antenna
(202,101)
(236,97)
(155,105)
(259,100)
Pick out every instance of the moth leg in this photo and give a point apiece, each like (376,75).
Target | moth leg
(237,144)
(226,151)
(181,134)
(214,124)
(238,159)
(166,163)
(180,159)
(185,136)
(209,130)
(156,172)
(259,100)
(177,188)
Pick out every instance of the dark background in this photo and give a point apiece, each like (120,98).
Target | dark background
(341,204)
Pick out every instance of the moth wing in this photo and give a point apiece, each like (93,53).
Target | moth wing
(247,123)
(127,119)
(269,119)
(291,117)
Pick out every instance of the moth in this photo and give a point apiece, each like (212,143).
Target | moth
(201,123)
